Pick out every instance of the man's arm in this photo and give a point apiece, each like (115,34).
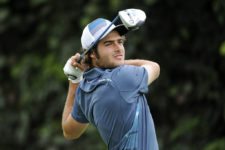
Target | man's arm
(71,128)
(152,68)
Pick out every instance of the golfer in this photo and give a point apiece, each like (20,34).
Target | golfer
(109,91)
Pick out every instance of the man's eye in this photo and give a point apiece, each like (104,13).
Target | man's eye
(121,41)
(107,43)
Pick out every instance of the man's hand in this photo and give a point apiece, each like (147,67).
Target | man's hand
(73,70)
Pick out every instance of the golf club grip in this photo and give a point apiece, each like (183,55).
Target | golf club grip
(81,57)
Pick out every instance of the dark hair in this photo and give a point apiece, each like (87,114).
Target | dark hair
(88,59)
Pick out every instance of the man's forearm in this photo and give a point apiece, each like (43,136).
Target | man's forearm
(72,129)
(137,62)
(69,101)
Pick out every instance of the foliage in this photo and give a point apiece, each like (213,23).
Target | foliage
(187,39)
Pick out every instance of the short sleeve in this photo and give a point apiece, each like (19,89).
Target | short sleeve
(131,80)
(77,112)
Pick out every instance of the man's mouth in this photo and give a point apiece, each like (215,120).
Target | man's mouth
(118,56)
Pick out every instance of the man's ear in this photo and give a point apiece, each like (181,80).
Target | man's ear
(93,55)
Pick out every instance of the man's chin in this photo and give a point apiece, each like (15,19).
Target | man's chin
(119,64)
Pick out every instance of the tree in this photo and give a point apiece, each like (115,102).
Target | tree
(186,38)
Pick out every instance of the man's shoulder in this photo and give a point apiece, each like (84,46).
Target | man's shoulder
(125,70)
(128,77)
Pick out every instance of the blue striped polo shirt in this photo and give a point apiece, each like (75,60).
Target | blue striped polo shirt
(113,100)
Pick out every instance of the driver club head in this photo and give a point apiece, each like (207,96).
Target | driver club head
(132,18)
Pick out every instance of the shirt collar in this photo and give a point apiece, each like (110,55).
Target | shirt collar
(93,73)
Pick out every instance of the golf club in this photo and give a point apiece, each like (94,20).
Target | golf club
(132,19)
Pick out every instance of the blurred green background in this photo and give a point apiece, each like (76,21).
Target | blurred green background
(187,39)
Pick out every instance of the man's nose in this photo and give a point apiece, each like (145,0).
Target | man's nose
(118,46)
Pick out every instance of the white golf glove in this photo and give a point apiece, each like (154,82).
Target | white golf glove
(74,74)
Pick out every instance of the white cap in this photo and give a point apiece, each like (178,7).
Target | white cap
(94,29)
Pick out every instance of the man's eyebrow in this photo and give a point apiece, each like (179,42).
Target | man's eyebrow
(108,41)
(123,38)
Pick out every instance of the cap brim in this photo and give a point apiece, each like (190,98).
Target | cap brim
(121,29)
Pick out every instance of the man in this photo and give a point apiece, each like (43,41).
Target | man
(110,92)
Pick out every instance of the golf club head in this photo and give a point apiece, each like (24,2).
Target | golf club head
(132,18)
